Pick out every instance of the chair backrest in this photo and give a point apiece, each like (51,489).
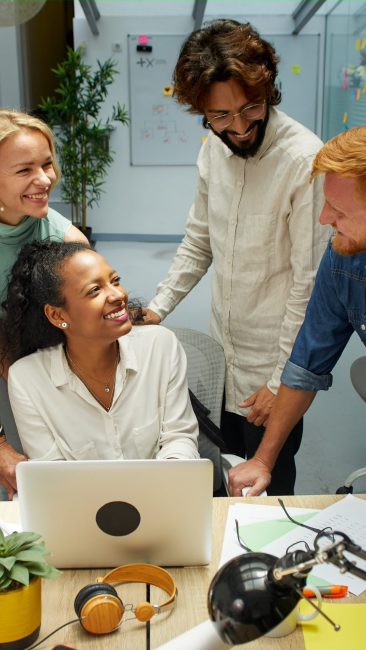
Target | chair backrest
(358,376)
(358,379)
(206,379)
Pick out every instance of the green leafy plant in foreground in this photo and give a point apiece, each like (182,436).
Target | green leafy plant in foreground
(22,556)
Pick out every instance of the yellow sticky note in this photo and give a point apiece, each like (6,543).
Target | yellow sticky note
(168,91)
(358,44)
(203,139)
(320,635)
(296,69)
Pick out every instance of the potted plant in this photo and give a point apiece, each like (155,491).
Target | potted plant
(22,565)
(82,135)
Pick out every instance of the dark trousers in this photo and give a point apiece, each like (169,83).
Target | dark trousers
(242,438)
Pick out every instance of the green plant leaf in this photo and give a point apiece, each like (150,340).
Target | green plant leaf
(7,562)
(5,583)
(20,573)
(23,555)
(31,555)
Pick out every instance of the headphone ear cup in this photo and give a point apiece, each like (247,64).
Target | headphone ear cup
(99,608)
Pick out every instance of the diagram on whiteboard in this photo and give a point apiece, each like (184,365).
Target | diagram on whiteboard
(162,132)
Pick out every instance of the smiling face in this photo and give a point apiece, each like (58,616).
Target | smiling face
(26,176)
(95,302)
(345,211)
(243,136)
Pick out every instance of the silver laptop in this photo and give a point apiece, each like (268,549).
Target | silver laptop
(104,513)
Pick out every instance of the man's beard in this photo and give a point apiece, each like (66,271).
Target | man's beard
(347,247)
(246,149)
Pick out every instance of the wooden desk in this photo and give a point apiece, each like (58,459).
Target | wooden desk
(191,607)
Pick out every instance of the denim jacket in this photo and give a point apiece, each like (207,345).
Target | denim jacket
(336,309)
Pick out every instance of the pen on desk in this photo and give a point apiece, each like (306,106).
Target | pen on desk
(329,591)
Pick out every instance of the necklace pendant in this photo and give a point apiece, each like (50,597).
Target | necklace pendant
(106,388)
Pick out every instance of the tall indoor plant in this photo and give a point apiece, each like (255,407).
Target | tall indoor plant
(82,135)
(22,565)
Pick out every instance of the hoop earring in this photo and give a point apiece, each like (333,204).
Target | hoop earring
(64,325)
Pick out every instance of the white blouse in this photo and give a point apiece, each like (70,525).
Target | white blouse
(150,417)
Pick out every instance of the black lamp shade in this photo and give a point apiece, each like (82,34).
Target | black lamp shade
(244,602)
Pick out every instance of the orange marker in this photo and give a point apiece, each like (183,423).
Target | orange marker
(330,591)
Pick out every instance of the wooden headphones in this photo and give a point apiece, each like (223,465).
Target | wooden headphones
(101,610)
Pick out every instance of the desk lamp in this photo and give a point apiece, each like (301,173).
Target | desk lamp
(254,592)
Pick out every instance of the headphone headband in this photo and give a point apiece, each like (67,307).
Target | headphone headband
(99,607)
(146,573)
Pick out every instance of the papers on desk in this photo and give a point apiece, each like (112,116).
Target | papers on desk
(259,525)
(267,529)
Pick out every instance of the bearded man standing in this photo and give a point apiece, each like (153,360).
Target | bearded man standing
(255,219)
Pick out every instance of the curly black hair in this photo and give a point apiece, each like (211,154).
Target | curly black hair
(35,281)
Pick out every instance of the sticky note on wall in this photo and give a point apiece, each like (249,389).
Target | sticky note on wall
(296,69)
(143,39)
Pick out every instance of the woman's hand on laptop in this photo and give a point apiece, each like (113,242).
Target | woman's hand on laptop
(9,458)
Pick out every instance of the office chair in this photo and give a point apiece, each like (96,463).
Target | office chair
(358,379)
(206,380)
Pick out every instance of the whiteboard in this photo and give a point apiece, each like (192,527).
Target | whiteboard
(163,133)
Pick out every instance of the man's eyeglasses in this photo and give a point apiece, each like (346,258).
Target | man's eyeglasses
(250,112)
(327,532)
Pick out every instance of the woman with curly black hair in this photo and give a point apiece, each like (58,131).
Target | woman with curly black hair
(84,383)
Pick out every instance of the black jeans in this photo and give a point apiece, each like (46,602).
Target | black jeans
(243,438)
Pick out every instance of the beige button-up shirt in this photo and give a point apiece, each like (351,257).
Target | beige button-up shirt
(151,415)
(256,221)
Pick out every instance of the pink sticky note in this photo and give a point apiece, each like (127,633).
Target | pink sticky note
(143,39)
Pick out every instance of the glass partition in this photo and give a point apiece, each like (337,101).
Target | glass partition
(345,68)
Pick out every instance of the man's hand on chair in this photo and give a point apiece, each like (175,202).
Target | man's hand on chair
(253,473)
(148,317)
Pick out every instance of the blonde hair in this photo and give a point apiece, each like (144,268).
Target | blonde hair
(344,155)
(11,122)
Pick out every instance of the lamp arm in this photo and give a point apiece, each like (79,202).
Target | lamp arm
(331,554)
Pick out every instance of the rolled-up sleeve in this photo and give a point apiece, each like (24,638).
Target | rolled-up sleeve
(294,376)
